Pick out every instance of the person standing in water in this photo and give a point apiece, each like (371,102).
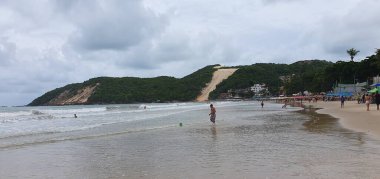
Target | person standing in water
(212,113)
(262,104)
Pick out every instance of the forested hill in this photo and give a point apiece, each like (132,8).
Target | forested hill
(109,90)
(296,77)
(309,75)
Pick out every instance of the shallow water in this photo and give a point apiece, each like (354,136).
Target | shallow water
(246,142)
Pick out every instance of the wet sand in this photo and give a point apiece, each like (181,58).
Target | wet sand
(353,116)
(246,142)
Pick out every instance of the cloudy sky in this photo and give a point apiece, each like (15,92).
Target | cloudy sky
(45,44)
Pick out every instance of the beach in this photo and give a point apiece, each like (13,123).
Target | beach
(128,141)
(353,116)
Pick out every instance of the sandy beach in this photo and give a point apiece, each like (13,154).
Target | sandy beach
(353,116)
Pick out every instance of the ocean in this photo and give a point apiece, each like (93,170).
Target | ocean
(147,141)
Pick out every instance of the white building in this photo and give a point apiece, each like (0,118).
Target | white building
(376,79)
(256,88)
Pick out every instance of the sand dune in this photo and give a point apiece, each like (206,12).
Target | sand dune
(218,76)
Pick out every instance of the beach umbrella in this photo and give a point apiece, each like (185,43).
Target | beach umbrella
(374,90)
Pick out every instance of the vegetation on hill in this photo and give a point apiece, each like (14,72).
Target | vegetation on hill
(133,89)
(311,75)
(350,72)
(303,74)
(44,99)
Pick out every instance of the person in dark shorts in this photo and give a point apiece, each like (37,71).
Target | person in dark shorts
(212,113)
(342,99)
(377,99)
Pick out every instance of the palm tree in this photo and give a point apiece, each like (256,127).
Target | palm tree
(352,52)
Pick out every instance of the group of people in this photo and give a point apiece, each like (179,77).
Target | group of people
(366,98)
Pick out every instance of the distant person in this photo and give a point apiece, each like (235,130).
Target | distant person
(284,106)
(342,99)
(377,99)
(262,104)
(75,116)
(358,98)
(212,113)
(363,98)
(367,101)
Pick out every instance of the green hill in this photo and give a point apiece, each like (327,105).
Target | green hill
(305,75)
(311,75)
(109,90)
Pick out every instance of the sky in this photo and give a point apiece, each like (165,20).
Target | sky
(46,44)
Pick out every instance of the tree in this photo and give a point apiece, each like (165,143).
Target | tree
(352,52)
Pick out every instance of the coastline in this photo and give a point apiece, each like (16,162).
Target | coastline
(353,116)
(247,141)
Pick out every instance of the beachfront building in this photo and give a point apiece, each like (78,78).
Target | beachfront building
(349,89)
(376,79)
(225,96)
(257,88)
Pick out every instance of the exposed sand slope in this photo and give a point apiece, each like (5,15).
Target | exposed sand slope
(80,97)
(354,116)
(218,76)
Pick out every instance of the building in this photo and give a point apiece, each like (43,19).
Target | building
(257,88)
(351,89)
(376,79)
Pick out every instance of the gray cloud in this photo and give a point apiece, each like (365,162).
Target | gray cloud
(355,29)
(7,52)
(47,44)
(115,25)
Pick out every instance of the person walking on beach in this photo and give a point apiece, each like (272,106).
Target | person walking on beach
(342,102)
(212,113)
(367,101)
(262,104)
(363,98)
(377,99)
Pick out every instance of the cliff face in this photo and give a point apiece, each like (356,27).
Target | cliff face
(80,96)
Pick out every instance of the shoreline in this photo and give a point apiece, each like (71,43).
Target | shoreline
(353,116)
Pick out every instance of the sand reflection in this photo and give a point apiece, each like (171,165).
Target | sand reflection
(213,132)
(323,123)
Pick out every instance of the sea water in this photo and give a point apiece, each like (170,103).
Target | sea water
(146,141)
(28,125)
